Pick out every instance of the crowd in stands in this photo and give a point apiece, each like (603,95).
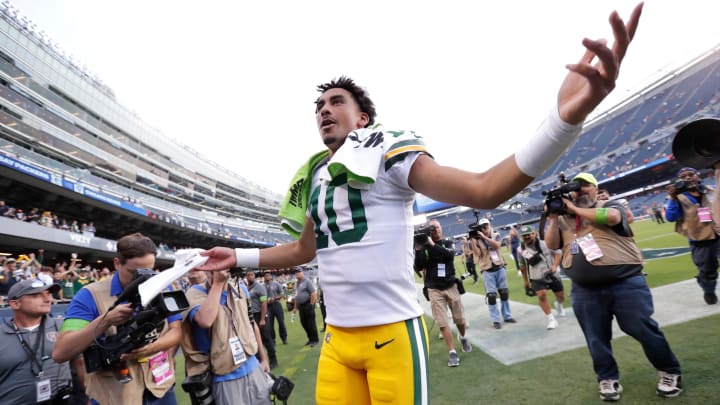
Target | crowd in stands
(44,218)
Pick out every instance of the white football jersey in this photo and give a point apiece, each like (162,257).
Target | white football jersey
(364,243)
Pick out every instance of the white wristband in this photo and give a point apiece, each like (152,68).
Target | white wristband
(545,147)
(247,257)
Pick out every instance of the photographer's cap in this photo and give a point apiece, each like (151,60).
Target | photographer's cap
(526,230)
(586,177)
(484,221)
(687,169)
(32,286)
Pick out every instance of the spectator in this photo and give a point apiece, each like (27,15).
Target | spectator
(33,215)
(3,208)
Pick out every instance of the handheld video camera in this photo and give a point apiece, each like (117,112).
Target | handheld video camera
(143,328)
(422,233)
(553,198)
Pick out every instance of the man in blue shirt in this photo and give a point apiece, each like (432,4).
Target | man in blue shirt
(88,318)
(220,338)
(690,208)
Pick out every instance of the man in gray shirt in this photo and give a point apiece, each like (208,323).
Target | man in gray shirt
(28,374)
(258,307)
(274,307)
(305,301)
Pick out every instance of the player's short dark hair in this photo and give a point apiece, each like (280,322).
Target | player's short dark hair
(134,245)
(359,95)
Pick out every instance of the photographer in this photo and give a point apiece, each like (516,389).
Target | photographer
(486,247)
(87,319)
(469,259)
(689,207)
(434,256)
(600,257)
(222,344)
(539,265)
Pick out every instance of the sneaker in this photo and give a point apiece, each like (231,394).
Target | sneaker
(510,320)
(610,390)
(670,385)
(497,325)
(552,324)
(465,343)
(440,336)
(710,298)
(454,360)
(560,309)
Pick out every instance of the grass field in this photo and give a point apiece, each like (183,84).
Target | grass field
(564,378)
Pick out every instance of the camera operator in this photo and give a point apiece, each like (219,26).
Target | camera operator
(87,318)
(605,266)
(539,265)
(469,259)
(486,247)
(689,207)
(27,373)
(435,257)
(221,343)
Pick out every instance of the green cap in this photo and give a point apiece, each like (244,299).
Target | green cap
(586,177)
(526,230)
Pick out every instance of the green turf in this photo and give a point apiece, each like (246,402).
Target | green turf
(564,378)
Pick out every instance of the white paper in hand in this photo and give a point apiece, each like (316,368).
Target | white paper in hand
(185,260)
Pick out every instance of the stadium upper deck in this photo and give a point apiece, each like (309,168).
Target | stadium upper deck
(60,118)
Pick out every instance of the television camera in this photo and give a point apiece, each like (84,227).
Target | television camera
(143,328)
(422,233)
(553,197)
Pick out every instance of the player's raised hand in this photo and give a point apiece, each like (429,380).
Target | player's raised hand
(588,82)
(219,258)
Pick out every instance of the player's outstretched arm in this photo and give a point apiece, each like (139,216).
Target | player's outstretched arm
(585,86)
(290,254)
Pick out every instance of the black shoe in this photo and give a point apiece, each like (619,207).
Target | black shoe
(273,364)
(710,298)
(307,343)
(285,341)
(313,344)
(497,325)
(510,320)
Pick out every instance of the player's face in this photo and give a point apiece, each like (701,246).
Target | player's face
(337,114)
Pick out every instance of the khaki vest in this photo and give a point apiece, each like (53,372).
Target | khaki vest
(102,385)
(482,256)
(690,226)
(616,249)
(220,360)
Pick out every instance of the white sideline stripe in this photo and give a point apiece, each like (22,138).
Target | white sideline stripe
(528,339)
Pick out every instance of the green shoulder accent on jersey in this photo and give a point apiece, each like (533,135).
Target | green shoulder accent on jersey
(73,324)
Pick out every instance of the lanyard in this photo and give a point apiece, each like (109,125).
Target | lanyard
(32,353)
